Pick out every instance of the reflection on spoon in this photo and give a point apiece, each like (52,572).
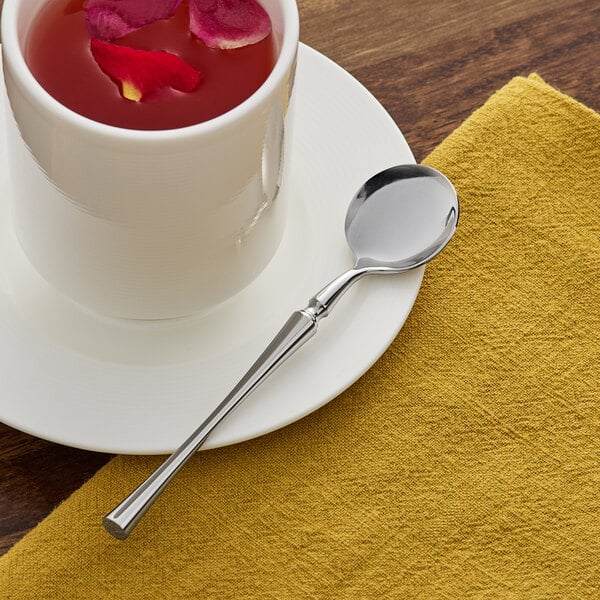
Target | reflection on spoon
(398,220)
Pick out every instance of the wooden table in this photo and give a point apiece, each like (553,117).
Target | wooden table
(430,63)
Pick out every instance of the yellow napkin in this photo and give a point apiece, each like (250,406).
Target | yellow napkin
(464,464)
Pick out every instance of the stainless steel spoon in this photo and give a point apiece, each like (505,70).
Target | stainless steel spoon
(398,220)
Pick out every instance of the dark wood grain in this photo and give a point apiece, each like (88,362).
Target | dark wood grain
(430,63)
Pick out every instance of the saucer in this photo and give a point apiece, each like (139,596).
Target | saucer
(141,387)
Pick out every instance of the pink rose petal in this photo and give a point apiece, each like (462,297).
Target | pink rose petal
(111,19)
(140,72)
(229,24)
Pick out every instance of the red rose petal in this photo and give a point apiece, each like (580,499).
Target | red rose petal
(141,72)
(229,24)
(112,19)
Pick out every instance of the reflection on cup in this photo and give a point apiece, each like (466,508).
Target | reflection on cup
(148,224)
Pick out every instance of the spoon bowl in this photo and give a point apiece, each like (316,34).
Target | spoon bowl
(401,218)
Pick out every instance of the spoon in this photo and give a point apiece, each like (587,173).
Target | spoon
(397,221)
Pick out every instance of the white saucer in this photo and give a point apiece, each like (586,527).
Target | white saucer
(102,384)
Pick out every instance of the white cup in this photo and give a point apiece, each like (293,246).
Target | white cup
(147,224)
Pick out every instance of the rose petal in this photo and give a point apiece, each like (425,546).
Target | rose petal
(143,71)
(112,19)
(229,24)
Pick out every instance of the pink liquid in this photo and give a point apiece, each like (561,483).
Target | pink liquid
(58,54)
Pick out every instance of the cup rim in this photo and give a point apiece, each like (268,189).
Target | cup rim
(12,54)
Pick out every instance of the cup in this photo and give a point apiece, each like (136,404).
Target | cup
(148,224)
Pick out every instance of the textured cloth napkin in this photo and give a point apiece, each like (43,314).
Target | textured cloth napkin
(465,463)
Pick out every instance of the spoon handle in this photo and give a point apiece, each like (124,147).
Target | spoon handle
(299,328)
